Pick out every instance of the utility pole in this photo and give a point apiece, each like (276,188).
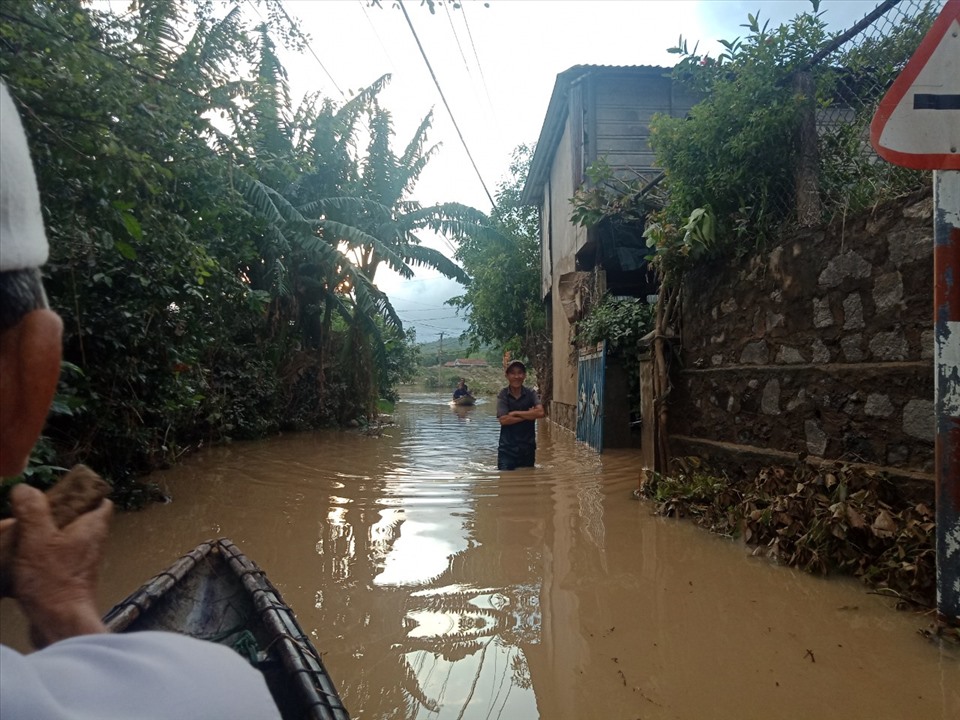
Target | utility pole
(440,351)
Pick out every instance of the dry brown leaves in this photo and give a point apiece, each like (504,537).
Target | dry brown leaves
(835,518)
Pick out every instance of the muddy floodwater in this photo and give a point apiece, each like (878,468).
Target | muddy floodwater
(437,587)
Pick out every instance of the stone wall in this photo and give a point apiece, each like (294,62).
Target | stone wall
(821,347)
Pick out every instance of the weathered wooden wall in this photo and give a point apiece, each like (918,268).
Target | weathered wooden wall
(822,346)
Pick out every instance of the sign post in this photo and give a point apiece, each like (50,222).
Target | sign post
(917,125)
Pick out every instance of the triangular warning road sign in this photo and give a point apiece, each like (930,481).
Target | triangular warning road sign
(917,124)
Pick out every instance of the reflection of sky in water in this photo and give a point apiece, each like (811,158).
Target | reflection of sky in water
(429,485)
(477,688)
(418,555)
(468,668)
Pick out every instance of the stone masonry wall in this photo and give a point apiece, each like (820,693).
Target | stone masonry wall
(822,347)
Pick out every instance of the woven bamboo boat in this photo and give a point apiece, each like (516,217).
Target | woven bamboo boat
(216,593)
(465,400)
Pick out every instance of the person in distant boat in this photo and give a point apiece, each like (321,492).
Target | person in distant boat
(461,389)
(82,671)
(518,409)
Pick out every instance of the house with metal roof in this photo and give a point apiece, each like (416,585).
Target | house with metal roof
(595,112)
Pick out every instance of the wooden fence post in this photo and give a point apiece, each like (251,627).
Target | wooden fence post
(806,182)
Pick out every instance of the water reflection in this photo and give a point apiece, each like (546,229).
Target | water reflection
(438,587)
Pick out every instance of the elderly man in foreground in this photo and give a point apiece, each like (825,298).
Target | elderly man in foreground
(82,671)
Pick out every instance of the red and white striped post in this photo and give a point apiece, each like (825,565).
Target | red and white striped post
(946,311)
(917,125)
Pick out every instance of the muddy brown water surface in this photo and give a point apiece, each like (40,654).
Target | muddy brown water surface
(438,587)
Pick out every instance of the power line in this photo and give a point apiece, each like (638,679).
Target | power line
(435,319)
(466,64)
(457,39)
(445,103)
(483,79)
(446,329)
(363,6)
(310,48)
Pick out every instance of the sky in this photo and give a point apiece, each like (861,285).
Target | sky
(496,62)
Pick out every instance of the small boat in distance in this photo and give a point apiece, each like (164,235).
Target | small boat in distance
(465,400)
(216,593)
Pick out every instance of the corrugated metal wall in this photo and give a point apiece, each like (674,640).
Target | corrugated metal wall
(591,372)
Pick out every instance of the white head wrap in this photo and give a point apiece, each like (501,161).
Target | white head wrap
(23,242)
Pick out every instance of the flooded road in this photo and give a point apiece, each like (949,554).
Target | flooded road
(438,587)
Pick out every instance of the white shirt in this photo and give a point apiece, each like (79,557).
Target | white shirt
(134,676)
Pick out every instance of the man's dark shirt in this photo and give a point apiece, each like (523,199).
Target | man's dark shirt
(518,442)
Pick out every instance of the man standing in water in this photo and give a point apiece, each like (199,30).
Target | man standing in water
(518,409)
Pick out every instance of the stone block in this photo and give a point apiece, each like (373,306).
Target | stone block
(821,353)
(799,400)
(846,265)
(774,320)
(770,400)
(852,312)
(755,353)
(889,346)
(907,247)
(927,339)
(789,356)
(888,292)
(878,405)
(822,317)
(919,420)
(816,438)
(852,347)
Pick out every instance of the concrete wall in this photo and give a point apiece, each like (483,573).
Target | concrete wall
(564,242)
(823,346)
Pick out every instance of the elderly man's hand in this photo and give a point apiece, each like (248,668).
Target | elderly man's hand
(55,570)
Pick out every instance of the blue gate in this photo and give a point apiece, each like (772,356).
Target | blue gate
(591,369)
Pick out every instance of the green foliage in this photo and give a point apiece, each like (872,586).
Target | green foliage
(622,322)
(675,249)
(605,196)
(482,381)
(211,277)
(850,86)
(403,360)
(736,152)
(502,302)
(441,351)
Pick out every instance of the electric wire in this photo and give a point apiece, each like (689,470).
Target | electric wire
(363,6)
(456,38)
(446,329)
(476,57)
(435,319)
(445,103)
(466,63)
(310,48)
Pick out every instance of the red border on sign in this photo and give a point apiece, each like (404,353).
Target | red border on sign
(900,87)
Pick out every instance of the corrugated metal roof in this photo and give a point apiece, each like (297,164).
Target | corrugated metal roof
(556,116)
